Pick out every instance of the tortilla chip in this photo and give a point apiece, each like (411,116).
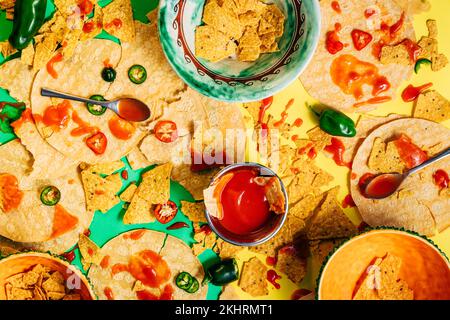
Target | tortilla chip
(429,47)
(194,211)
(432,106)
(107,168)
(249,18)
(6,49)
(101,193)
(155,185)
(253,278)
(248,53)
(70,42)
(66,7)
(320,249)
(119,9)
(54,285)
(432,28)
(367,289)
(397,54)
(27,56)
(222,18)
(90,252)
(330,221)
(292,265)
(204,241)
(385,158)
(194,182)
(320,138)
(227,250)
(128,193)
(137,159)
(438,62)
(20,294)
(213,45)
(228,293)
(45,49)
(96,22)
(250,38)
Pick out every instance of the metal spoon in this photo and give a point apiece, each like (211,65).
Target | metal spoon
(127,108)
(390,182)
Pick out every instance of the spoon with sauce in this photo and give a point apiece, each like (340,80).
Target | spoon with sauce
(384,185)
(127,108)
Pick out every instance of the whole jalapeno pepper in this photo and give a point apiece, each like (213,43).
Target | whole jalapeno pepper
(29,16)
(335,123)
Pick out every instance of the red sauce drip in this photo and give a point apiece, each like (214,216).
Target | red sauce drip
(244,203)
(284,114)
(332,42)
(25,117)
(107,63)
(298,122)
(120,128)
(396,27)
(348,202)
(86,7)
(206,229)
(410,154)
(265,105)
(369,13)
(57,116)
(167,294)
(312,153)
(117,23)
(300,293)
(411,93)
(50,65)
(124,174)
(413,49)
(83,128)
(136,235)
(351,74)
(87,232)
(10,194)
(305,149)
(336,7)
(337,149)
(88,27)
(108,293)
(90,251)
(389,35)
(178,225)
(375,100)
(273,277)
(69,256)
(295,137)
(441,179)
(118,268)
(150,268)
(271,261)
(105,262)
(353,176)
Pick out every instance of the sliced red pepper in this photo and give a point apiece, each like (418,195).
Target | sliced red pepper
(165,212)
(97,143)
(361,39)
(166,131)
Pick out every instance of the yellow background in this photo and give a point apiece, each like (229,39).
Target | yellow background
(441,82)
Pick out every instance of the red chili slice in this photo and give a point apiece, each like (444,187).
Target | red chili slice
(361,39)
(97,143)
(166,131)
(164,213)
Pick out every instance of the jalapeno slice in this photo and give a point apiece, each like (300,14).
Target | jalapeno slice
(194,286)
(109,74)
(420,63)
(137,74)
(186,282)
(96,109)
(50,196)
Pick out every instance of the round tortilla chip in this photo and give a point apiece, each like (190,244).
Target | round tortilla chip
(81,75)
(175,252)
(320,85)
(419,205)
(32,221)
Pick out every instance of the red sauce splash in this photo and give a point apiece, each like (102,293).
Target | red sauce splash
(265,105)
(284,114)
(105,262)
(413,49)
(25,117)
(120,128)
(10,194)
(273,277)
(369,13)
(410,154)
(375,100)
(83,128)
(441,179)
(118,268)
(108,293)
(87,232)
(150,268)
(271,261)
(300,293)
(389,33)
(124,175)
(178,225)
(332,42)
(336,7)
(353,176)
(244,203)
(312,153)
(135,235)
(351,74)
(298,122)
(117,23)
(69,256)
(348,202)
(295,137)
(337,149)
(107,63)
(57,117)
(51,64)
(411,93)
(206,229)
(88,27)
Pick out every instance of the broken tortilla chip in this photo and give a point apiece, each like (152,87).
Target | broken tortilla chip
(101,193)
(194,211)
(385,158)
(90,252)
(431,105)
(128,193)
(253,278)
(289,263)
(118,20)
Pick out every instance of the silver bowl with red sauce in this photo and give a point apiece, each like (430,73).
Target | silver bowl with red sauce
(245,222)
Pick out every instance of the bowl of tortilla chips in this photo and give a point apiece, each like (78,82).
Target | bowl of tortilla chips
(42,276)
(239,50)
(386,264)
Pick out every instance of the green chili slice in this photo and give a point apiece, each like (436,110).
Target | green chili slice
(420,63)
(96,109)
(184,281)
(194,286)
(50,196)
(224,272)
(109,74)
(137,74)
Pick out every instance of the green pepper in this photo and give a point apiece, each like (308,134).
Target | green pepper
(335,123)
(223,272)
(9,112)
(96,109)
(420,63)
(193,288)
(50,196)
(29,16)
(186,282)
(109,74)
(137,74)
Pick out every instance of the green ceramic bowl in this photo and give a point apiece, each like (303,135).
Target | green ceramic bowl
(232,80)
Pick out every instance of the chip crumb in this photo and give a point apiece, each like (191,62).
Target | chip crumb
(253,278)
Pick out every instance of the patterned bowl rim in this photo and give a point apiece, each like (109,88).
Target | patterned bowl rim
(254,92)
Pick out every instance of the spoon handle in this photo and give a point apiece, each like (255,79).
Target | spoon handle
(55,94)
(430,161)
